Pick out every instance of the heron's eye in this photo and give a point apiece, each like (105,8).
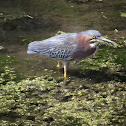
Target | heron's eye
(93,37)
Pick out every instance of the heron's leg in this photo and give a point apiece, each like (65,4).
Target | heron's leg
(65,70)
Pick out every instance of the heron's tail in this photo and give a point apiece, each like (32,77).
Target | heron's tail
(31,52)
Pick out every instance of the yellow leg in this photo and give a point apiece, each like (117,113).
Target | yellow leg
(65,71)
(65,76)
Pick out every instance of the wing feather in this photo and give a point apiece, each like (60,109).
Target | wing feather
(58,47)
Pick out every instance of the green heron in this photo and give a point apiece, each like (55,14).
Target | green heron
(69,46)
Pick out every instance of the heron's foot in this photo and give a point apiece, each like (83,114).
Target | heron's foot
(65,76)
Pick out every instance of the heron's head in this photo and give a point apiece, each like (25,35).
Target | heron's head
(96,37)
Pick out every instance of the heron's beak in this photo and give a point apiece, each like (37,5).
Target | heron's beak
(105,40)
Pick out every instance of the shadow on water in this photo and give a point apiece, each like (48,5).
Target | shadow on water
(98,76)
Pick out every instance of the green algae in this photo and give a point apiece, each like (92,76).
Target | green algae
(41,101)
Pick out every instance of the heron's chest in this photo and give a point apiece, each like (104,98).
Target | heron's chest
(82,54)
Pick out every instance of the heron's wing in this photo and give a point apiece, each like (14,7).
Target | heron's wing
(59,47)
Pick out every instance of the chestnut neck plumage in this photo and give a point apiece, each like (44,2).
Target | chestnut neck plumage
(84,47)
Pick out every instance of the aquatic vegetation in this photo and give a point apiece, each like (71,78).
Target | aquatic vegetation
(45,101)
(7,76)
(123,14)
